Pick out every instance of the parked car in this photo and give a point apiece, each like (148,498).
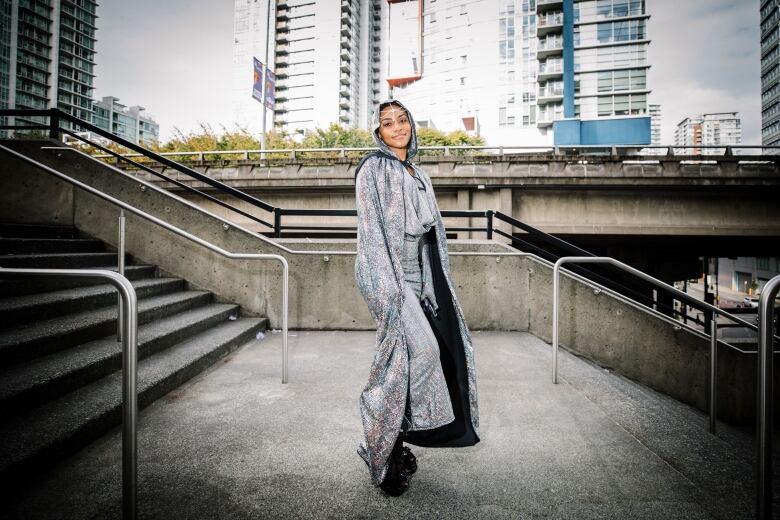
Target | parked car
(750,301)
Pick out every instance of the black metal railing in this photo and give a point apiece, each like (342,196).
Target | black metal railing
(55,129)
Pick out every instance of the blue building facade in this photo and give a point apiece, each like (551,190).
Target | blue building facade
(593,71)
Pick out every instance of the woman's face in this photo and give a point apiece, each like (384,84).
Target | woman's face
(394,127)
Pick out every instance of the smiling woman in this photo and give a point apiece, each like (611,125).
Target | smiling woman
(421,388)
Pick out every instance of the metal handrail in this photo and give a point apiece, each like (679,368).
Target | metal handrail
(129,324)
(764,415)
(646,277)
(181,233)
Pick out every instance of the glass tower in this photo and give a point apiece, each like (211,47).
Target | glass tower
(770,73)
(47,48)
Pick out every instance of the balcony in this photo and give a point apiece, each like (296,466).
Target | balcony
(282,49)
(282,14)
(549,95)
(345,78)
(282,37)
(282,60)
(549,23)
(346,42)
(346,7)
(282,26)
(549,71)
(280,108)
(344,103)
(345,93)
(546,119)
(549,47)
(543,6)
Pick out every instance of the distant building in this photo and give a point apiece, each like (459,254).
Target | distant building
(47,56)
(770,73)
(741,274)
(325,56)
(125,122)
(655,125)
(718,129)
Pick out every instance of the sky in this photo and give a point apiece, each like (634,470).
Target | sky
(173,57)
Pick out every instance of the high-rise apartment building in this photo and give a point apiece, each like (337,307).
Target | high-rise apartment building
(128,123)
(325,55)
(515,71)
(597,52)
(655,125)
(709,130)
(770,72)
(47,53)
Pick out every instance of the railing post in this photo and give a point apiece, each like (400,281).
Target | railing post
(277,222)
(764,411)
(446,150)
(54,125)
(489,215)
(121,270)
(713,371)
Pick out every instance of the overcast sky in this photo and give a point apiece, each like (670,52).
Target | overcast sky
(174,58)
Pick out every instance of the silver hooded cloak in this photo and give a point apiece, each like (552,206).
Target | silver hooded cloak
(379,276)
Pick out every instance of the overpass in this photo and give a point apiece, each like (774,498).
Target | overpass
(575,193)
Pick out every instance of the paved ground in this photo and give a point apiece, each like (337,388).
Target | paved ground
(236,443)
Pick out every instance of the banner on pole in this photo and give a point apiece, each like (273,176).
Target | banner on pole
(270,88)
(257,80)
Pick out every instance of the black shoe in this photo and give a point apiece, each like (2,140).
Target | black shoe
(395,482)
(408,462)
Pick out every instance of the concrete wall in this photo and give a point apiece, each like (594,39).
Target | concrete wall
(504,293)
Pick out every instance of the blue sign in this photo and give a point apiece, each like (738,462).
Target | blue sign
(257,80)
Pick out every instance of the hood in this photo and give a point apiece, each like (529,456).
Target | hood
(411,149)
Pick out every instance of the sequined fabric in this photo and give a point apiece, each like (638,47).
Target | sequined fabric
(380,277)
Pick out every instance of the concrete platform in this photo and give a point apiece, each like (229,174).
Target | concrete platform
(236,443)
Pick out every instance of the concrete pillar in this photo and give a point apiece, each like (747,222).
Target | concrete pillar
(464,203)
(504,206)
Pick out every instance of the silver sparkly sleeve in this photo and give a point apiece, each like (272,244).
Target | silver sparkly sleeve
(427,278)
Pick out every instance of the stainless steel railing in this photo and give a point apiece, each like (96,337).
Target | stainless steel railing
(129,324)
(646,277)
(181,233)
(764,415)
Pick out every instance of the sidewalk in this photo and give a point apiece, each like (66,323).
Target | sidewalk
(236,443)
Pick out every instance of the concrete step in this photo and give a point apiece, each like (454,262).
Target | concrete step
(43,435)
(27,285)
(20,246)
(17,310)
(59,260)
(45,378)
(31,340)
(11,230)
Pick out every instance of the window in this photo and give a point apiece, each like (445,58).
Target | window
(762,263)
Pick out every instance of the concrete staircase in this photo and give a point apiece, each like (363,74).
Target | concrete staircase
(60,362)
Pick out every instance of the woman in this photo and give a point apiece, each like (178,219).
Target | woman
(422,384)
